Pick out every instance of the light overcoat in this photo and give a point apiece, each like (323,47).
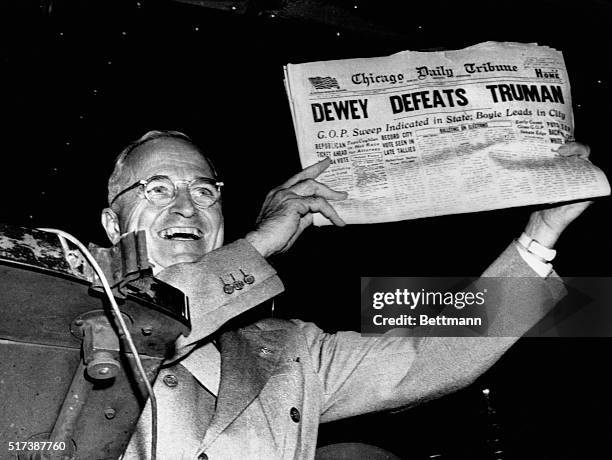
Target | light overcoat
(280,379)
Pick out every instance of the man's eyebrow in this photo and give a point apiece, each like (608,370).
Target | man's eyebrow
(174,179)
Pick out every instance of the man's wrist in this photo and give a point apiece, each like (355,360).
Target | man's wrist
(538,230)
(257,242)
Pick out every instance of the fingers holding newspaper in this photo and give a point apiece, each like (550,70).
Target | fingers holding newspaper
(289,208)
(546,225)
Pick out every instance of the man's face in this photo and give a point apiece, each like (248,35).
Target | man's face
(179,231)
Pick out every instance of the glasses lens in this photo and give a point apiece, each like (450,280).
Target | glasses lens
(204,193)
(160,190)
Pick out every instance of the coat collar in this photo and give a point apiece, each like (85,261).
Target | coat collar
(249,357)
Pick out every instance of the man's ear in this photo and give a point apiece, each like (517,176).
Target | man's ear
(110,222)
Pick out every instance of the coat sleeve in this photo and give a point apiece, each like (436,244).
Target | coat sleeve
(366,374)
(221,285)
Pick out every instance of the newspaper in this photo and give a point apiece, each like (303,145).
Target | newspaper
(419,134)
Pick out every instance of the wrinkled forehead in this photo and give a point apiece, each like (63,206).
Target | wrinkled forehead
(176,158)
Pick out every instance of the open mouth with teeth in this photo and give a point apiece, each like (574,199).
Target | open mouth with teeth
(181,234)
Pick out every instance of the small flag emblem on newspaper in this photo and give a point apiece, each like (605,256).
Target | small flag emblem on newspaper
(324,82)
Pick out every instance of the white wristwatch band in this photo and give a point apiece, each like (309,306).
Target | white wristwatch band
(536,248)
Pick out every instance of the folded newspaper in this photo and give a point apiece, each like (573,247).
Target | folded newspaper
(419,134)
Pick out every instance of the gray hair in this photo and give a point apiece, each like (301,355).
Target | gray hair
(114,181)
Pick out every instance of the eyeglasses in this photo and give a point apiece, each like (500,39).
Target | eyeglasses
(161,190)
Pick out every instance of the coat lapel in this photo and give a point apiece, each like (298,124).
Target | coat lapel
(249,357)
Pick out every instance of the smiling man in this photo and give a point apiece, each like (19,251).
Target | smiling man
(260,392)
(181,213)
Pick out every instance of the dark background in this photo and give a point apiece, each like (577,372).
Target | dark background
(80,79)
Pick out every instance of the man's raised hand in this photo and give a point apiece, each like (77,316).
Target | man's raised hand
(547,224)
(288,209)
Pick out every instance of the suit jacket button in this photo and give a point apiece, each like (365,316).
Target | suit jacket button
(295,414)
(228,288)
(247,277)
(202,456)
(238,285)
(170,380)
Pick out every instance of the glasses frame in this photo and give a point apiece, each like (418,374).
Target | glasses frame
(144,182)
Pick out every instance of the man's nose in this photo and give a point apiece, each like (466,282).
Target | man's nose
(183,204)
